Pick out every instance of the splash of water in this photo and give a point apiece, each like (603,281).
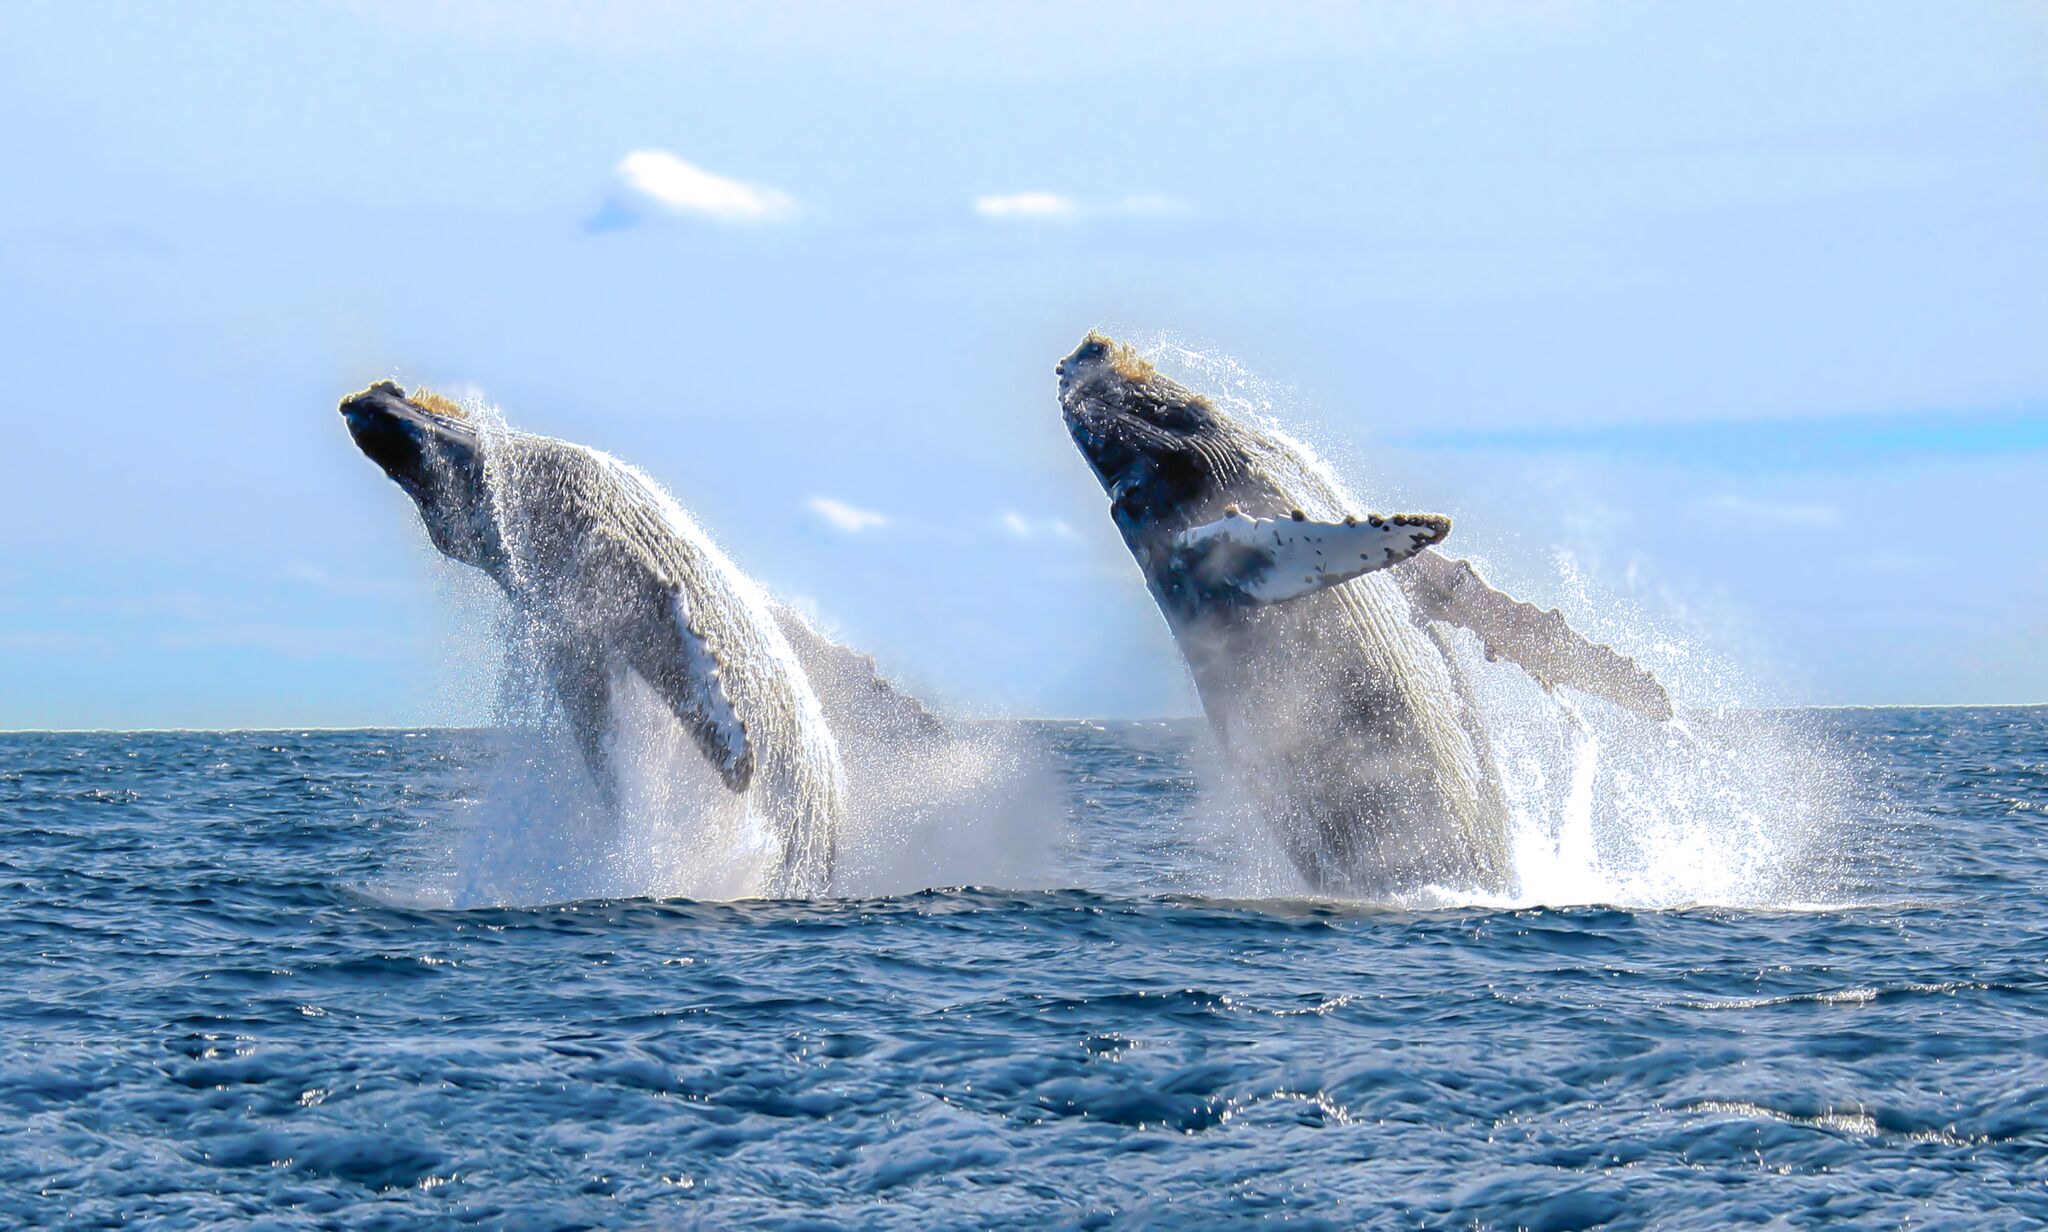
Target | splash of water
(930,806)
(1728,805)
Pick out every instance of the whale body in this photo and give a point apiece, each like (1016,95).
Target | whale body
(1317,635)
(611,578)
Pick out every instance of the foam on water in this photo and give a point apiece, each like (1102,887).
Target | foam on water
(203,1023)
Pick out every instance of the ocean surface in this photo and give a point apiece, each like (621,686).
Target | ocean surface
(221,1005)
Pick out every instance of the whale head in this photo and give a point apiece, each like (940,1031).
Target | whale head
(1166,455)
(426,444)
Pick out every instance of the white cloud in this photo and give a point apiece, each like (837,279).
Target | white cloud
(851,519)
(1049,205)
(1768,511)
(1026,205)
(667,183)
(1031,528)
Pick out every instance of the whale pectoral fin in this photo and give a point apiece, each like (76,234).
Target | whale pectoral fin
(584,687)
(1272,560)
(684,669)
(1538,642)
(648,616)
(852,688)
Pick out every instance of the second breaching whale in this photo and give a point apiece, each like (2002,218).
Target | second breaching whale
(611,578)
(1320,656)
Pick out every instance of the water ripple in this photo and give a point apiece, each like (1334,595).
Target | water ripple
(219,1007)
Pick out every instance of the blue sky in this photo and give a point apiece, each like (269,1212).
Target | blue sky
(1724,326)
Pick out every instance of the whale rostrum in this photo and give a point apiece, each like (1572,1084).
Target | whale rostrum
(611,578)
(1316,634)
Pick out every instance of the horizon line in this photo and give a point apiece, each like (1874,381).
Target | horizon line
(1182,718)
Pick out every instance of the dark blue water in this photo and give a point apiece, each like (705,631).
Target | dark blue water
(211,1015)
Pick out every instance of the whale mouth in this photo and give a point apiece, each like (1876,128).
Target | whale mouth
(409,436)
(385,406)
(430,448)
(390,398)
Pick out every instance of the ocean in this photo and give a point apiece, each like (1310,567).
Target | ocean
(228,1000)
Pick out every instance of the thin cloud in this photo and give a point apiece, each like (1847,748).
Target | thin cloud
(1041,205)
(659,182)
(1026,205)
(1771,511)
(1152,205)
(850,519)
(305,573)
(1032,528)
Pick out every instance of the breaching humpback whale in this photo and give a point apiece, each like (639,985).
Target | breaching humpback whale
(613,579)
(1325,673)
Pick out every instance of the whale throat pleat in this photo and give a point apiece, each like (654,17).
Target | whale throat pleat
(623,590)
(583,686)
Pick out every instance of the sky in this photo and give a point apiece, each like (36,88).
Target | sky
(1725,327)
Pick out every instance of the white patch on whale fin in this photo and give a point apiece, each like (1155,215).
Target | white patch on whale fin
(851,687)
(684,670)
(1538,642)
(659,641)
(1272,560)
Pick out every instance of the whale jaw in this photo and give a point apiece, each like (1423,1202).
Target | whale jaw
(1162,452)
(424,444)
